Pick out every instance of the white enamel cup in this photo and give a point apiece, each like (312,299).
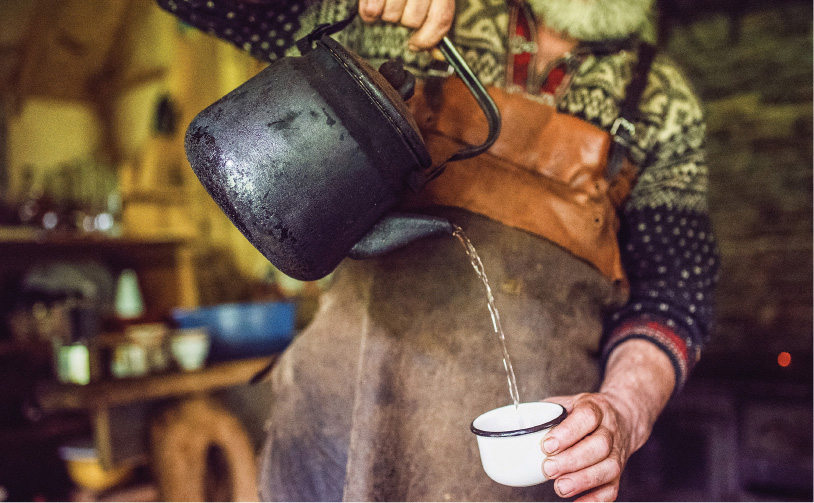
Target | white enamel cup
(509,441)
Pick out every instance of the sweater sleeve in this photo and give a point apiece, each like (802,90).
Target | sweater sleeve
(265,30)
(668,247)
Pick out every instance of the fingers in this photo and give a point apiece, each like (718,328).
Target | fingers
(437,23)
(584,418)
(565,401)
(410,13)
(590,451)
(415,13)
(606,472)
(432,19)
(608,492)
(393,10)
(371,10)
(589,464)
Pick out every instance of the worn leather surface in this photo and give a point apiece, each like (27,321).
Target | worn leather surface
(374,400)
(545,174)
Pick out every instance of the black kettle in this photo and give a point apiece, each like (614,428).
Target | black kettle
(309,157)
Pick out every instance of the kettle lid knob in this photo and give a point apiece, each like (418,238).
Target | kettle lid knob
(402,81)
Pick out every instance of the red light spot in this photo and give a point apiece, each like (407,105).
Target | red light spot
(784,359)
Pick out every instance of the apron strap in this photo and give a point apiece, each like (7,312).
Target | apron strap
(623,130)
(520,73)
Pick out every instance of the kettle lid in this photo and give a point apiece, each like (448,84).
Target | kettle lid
(384,95)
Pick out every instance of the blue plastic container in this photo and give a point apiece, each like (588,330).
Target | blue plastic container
(242,330)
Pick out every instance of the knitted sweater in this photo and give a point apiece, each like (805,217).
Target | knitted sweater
(668,248)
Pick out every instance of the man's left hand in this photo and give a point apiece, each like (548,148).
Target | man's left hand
(589,449)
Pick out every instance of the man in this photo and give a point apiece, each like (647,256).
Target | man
(373,400)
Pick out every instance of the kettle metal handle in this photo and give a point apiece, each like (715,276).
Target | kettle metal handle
(485,101)
(417,179)
(475,87)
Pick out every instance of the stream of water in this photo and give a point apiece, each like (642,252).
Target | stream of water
(475,260)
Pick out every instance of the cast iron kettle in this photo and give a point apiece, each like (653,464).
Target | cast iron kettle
(309,157)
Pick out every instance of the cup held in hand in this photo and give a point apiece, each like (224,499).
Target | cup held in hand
(509,441)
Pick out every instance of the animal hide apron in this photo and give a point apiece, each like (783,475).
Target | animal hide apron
(373,401)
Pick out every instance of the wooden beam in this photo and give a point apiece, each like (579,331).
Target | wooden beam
(34,43)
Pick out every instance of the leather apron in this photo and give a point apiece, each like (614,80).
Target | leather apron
(373,401)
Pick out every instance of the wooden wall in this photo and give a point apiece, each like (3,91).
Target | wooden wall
(82,81)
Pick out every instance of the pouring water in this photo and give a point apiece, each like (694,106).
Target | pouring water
(477,264)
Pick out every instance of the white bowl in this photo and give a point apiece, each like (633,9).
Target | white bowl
(509,441)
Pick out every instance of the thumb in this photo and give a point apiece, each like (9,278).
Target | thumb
(565,401)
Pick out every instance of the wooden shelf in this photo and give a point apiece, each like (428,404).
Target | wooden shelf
(164,261)
(94,396)
(20,235)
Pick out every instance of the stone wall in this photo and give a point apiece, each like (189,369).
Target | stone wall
(754,73)
(741,429)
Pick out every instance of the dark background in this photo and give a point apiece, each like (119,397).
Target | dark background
(742,428)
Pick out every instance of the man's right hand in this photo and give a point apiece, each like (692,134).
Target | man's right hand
(432,19)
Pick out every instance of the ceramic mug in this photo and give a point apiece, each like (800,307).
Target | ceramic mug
(509,441)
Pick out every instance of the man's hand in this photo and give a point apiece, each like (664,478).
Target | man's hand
(432,19)
(589,449)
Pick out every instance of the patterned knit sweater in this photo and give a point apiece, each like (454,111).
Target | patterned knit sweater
(668,249)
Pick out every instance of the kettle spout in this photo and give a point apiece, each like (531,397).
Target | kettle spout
(396,230)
